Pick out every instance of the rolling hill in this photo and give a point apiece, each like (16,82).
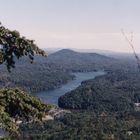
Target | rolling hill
(53,71)
(75,61)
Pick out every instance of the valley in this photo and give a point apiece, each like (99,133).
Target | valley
(100,93)
(52,96)
(101,108)
(51,72)
(69,70)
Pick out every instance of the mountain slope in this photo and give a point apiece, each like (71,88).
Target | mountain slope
(53,71)
(74,61)
(67,55)
(113,92)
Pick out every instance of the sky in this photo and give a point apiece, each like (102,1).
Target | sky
(83,24)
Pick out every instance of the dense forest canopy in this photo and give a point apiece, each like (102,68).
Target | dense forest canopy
(101,109)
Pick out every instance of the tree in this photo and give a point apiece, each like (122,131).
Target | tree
(13,45)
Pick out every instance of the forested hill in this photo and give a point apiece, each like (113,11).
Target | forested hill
(101,109)
(67,53)
(76,61)
(53,71)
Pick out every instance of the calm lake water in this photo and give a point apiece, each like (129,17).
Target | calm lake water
(52,96)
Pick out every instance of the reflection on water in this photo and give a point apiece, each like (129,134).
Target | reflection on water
(52,96)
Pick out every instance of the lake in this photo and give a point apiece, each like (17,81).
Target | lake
(52,96)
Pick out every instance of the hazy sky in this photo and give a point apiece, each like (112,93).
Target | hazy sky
(85,24)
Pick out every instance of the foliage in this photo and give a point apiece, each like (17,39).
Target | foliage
(85,125)
(13,45)
(17,104)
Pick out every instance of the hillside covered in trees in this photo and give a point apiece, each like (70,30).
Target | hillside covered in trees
(86,125)
(103,108)
(116,91)
(53,71)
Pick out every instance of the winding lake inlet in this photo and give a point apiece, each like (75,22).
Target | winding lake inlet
(52,96)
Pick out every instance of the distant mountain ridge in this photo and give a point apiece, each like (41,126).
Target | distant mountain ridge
(75,61)
(109,53)
(71,51)
(67,54)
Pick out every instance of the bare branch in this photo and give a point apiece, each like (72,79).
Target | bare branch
(130,42)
